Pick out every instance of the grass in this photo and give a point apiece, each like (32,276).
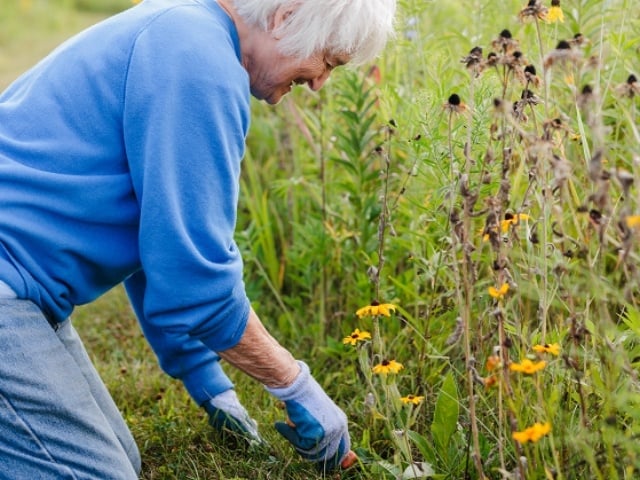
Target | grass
(500,225)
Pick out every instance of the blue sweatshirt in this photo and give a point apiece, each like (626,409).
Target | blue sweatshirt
(120,156)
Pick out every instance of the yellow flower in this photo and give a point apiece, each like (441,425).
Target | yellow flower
(511,219)
(499,292)
(388,366)
(413,399)
(555,13)
(356,336)
(553,349)
(376,309)
(633,221)
(533,433)
(527,366)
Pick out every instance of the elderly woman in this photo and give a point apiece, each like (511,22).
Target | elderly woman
(120,155)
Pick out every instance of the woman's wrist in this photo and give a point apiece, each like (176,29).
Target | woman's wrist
(260,356)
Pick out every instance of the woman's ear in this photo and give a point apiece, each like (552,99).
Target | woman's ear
(280,17)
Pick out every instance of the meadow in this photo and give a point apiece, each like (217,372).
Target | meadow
(449,237)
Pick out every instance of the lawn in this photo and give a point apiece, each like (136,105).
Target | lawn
(470,204)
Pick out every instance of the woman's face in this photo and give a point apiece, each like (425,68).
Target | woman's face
(272,74)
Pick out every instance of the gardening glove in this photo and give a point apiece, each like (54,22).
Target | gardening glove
(227,413)
(316,427)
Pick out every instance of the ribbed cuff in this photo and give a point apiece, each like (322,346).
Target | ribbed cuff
(298,386)
(206,382)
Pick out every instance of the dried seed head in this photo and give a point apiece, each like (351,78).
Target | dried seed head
(534,10)
(562,54)
(626,180)
(473,61)
(454,104)
(523,72)
(492,59)
(505,42)
(630,88)
(595,216)
(579,40)
(586,96)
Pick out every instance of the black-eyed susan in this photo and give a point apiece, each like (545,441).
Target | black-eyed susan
(533,10)
(376,309)
(474,61)
(356,336)
(499,292)
(387,366)
(555,13)
(527,366)
(630,88)
(563,54)
(632,221)
(533,433)
(474,57)
(514,60)
(552,348)
(512,219)
(492,60)
(530,76)
(412,399)
(579,40)
(454,104)
(505,43)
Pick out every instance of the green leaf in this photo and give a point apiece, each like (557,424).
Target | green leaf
(445,417)
(422,444)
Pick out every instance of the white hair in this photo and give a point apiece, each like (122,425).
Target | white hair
(358,28)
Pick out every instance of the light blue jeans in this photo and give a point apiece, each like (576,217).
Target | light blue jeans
(57,419)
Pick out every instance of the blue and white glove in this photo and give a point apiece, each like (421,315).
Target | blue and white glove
(227,413)
(318,428)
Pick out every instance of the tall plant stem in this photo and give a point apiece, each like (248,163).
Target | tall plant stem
(384,212)
(546,201)
(463,293)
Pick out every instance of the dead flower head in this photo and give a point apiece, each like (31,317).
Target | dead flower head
(474,60)
(514,60)
(530,77)
(534,10)
(505,42)
(630,88)
(579,40)
(586,96)
(563,54)
(454,104)
(529,98)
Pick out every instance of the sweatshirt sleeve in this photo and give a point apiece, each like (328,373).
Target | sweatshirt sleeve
(186,115)
(180,355)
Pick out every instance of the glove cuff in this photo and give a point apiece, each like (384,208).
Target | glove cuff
(298,387)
